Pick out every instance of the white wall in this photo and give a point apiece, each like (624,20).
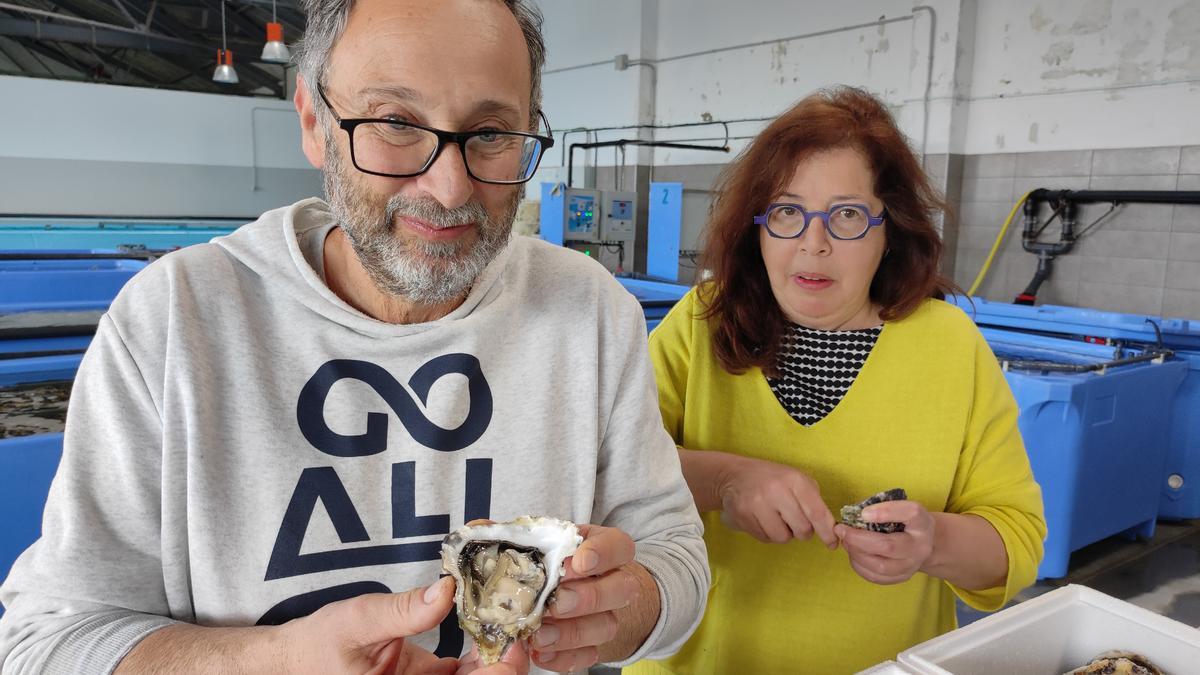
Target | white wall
(70,148)
(722,61)
(1007,75)
(581,86)
(50,119)
(1084,74)
(759,71)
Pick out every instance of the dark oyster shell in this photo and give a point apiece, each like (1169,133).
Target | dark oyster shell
(852,513)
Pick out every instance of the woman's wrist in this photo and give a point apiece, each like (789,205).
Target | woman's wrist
(725,468)
(709,474)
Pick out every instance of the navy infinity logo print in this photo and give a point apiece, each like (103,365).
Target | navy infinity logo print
(312,401)
(322,483)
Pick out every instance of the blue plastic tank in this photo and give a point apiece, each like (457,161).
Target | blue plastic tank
(39,360)
(29,459)
(63,284)
(1094,448)
(656,297)
(108,233)
(27,466)
(1179,486)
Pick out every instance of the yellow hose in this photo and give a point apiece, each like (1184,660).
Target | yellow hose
(996,246)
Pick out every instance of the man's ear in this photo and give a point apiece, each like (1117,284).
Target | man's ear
(312,136)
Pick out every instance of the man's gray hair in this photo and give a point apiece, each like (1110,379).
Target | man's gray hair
(327,21)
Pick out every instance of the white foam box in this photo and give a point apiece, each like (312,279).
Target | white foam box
(1055,633)
(886,668)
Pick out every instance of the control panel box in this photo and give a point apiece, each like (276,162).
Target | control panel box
(620,212)
(582,208)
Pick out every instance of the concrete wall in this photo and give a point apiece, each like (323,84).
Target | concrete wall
(1144,258)
(997,95)
(1083,74)
(69,148)
(1011,95)
(1086,94)
(715,61)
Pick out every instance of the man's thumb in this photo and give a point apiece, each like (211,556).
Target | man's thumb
(396,615)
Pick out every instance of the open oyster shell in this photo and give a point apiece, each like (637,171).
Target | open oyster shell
(505,573)
(852,513)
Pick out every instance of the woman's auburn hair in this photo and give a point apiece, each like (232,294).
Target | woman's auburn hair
(737,296)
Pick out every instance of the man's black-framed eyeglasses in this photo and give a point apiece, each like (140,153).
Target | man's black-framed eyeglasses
(399,149)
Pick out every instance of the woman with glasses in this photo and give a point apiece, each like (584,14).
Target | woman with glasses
(817,367)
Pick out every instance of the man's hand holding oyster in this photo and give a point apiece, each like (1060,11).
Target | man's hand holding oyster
(574,591)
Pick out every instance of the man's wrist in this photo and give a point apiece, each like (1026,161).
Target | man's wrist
(636,621)
(181,647)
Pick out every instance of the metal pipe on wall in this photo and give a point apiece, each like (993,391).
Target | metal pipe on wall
(1118,196)
(1066,204)
(926,98)
(632,141)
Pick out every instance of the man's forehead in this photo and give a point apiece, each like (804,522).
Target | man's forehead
(377,94)
(468,53)
(483,31)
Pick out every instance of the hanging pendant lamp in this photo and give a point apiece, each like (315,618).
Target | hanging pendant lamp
(275,51)
(224,74)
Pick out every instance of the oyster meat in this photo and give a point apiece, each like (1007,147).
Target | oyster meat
(852,513)
(1118,663)
(505,573)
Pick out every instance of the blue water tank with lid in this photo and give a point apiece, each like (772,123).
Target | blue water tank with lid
(1083,414)
(1179,486)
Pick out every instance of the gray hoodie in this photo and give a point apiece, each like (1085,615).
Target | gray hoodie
(243,447)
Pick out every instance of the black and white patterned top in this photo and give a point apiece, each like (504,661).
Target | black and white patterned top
(817,367)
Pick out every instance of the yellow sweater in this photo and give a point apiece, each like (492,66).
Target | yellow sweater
(929,412)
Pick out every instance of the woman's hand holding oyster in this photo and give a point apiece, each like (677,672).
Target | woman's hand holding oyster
(890,538)
(891,554)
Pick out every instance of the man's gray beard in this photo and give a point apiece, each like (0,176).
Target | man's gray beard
(424,272)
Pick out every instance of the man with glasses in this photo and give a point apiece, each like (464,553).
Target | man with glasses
(272,433)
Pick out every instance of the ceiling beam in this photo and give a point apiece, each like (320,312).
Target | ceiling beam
(61,49)
(132,21)
(145,78)
(173,42)
(250,74)
(245,60)
(151,78)
(12,56)
(149,21)
(33,51)
(167,24)
(214,38)
(185,61)
(283,5)
(235,18)
(96,36)
(58,57)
